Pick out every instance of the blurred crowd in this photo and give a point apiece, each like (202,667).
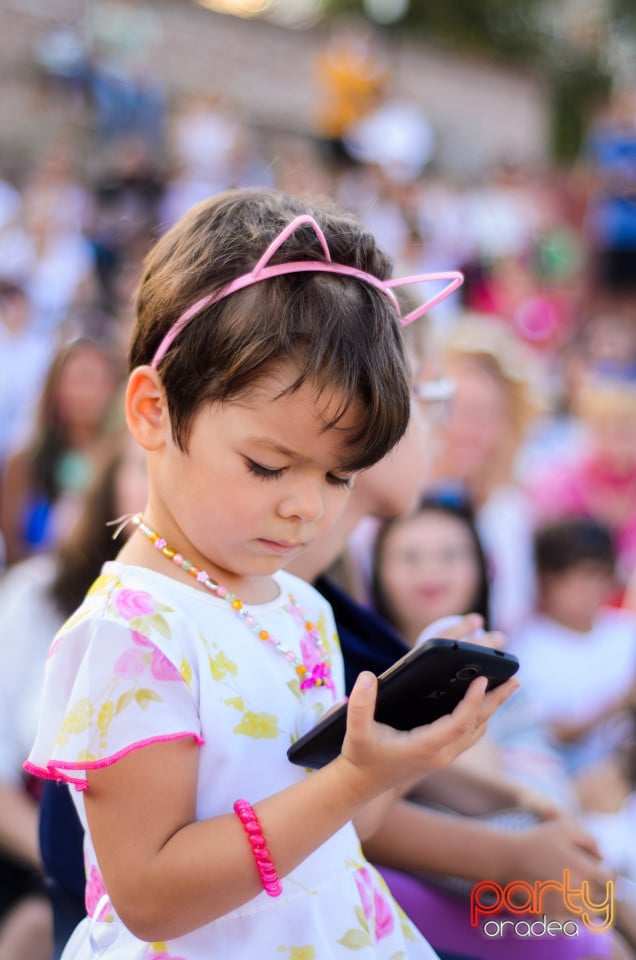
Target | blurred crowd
(527,376)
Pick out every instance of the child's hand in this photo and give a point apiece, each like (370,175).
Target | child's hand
(383,757)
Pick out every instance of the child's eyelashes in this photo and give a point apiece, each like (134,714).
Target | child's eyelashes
(268,473)
(344,482)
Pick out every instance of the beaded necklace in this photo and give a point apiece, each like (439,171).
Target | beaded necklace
(314,670)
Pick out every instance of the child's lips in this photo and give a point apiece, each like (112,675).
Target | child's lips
(281,546)
(432,592)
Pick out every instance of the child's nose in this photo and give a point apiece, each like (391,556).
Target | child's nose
(305,502)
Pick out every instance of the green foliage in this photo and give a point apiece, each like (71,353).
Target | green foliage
(520,31)
(504,28)
(574,94)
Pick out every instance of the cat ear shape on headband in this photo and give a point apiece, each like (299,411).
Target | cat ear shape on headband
(453,277)
(278,241)
(454,280)
(264,270)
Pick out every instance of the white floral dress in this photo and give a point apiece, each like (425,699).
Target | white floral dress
(147,658)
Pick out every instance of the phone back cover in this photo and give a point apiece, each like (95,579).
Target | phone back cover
(421,687)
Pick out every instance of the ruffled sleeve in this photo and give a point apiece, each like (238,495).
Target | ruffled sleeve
(118,677)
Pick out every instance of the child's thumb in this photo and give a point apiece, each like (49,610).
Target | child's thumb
(362,701)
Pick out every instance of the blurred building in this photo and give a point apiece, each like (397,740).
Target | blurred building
(479,111)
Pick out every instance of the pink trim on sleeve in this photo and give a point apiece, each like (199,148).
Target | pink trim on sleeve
(56,769)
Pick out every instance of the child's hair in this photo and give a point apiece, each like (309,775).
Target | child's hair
(562,545)
(337,332)
(458,509)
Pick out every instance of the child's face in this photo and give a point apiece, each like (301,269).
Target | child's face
(428,570)
(574,597)
(85,387)
(260,481)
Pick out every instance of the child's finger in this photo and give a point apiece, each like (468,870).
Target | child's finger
(361,705)
(493,639)
(494,698)
(477,706)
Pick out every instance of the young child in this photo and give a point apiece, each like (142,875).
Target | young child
(267,369)
(429,565)
(599,480)
(578,656)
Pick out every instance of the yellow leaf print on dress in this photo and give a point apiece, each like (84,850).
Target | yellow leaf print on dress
(261,726)
(237,702)
(327,640)
(103,584)
(355,939)
(220,665)
(104,718)
(76,720)
(186,671)
(299,953)
(144,696)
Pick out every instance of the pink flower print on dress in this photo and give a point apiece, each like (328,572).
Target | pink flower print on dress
(375,906)
(364,883)
(320,672)
(134,603)
(308,651)
(317,669)
(130,664)
(313,657)
(384,919)
(95,890)
(162,668)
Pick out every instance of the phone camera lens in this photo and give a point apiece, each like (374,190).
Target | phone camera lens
(468,673)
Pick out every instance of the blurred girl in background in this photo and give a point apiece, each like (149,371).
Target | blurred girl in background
(44,481)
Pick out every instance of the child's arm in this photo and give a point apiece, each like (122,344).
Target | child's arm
(571,731)
(418,840)
(370,818)
(168,874)
(475,785)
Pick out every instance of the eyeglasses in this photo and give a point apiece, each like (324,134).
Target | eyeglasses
(436,396)
(434,391)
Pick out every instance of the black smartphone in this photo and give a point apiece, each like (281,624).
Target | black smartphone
(423,685)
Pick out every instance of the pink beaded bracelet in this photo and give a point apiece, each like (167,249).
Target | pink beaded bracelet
(267,871)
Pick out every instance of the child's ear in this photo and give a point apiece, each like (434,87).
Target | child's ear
(147,408)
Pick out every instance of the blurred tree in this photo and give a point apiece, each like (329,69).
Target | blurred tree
(567,43)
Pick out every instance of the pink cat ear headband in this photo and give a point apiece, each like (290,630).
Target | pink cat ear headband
(264,272)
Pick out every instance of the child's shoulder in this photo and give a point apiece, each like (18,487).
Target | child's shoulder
(129,588)
(127,594)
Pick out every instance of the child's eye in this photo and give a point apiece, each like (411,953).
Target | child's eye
(345,482)
(264,472)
